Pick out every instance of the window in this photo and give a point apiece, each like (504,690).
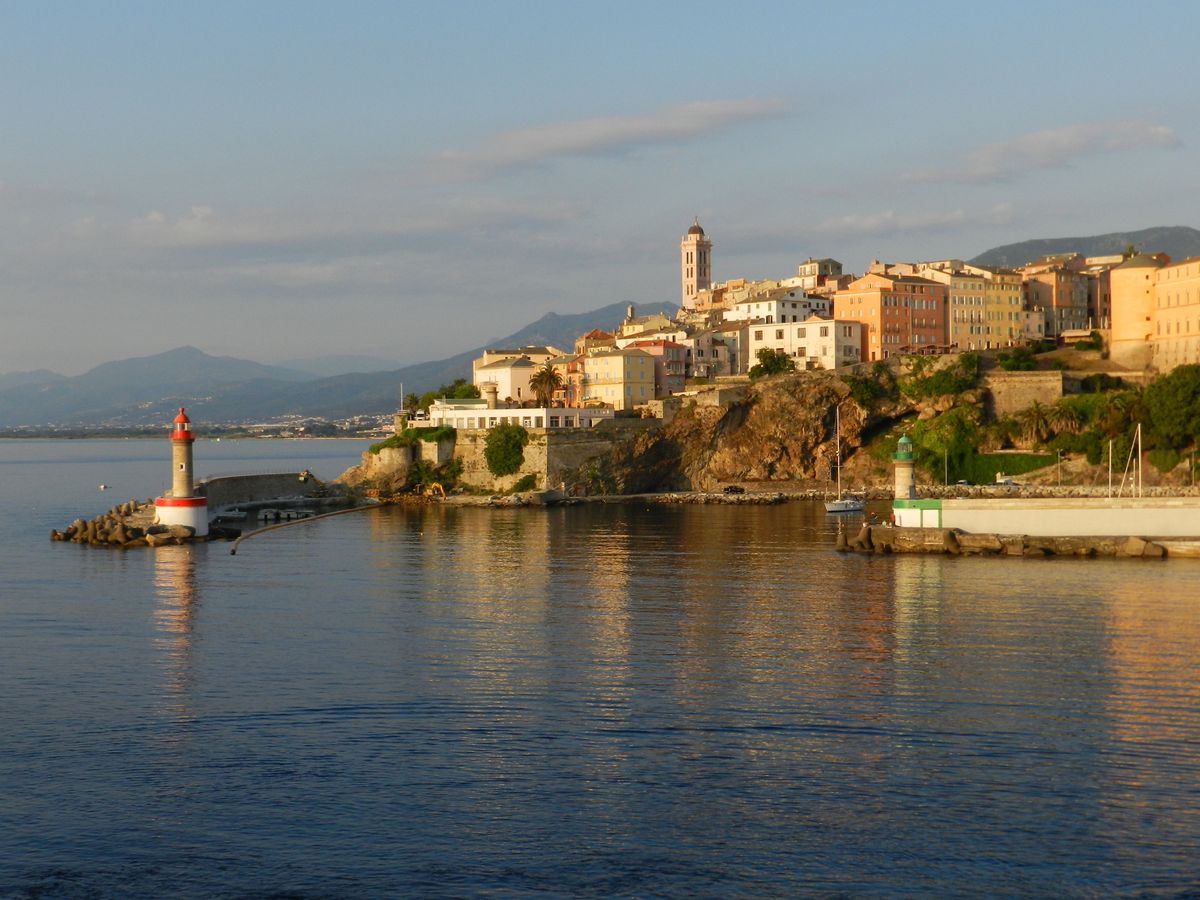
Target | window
(779,334)
(758,335)
(824,331)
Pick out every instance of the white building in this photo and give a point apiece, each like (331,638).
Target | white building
(782,306)
(817,342)
(475,414)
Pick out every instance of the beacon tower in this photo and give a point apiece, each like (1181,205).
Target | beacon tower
(182,506)
(695,264)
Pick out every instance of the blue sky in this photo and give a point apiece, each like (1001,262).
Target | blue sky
(275,180)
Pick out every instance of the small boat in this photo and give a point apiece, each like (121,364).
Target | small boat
(104,487)
(842,504)
(233,514)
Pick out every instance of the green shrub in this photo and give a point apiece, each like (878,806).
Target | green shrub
(504,448)
(1019,359)
(954,378)
(1100,382)
(403,439)
(525,483)
(1163,460)
(771,362)
(983,468)
(458,389)
(409,437)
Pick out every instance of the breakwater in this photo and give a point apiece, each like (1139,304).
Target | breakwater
(890,539)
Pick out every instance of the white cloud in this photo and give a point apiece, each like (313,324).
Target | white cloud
(891,222)
(1055,148)
(205,227)
(592,137)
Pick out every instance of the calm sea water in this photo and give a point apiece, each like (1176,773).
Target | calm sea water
(599,700)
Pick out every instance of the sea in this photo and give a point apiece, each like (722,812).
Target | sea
(617,699)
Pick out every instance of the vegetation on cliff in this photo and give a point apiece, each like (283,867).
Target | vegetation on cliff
(409,437)
(504,448)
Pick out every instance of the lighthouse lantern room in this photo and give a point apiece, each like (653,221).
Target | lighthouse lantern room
(182,506)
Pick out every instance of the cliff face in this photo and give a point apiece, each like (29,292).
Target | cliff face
(783,430)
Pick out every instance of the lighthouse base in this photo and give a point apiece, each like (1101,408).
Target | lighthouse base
(189,511)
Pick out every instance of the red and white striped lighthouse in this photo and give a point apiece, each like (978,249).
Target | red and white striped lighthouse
(182,506)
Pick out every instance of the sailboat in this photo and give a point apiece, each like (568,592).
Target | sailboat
(842,504)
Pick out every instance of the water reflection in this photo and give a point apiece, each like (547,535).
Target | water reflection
(174,621)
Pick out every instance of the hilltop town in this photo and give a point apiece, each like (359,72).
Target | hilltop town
(904,343)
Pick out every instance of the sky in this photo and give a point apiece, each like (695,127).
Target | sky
(280,180)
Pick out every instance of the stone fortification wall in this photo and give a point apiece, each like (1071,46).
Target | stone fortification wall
(234,489)
(1012,392)
(551,454)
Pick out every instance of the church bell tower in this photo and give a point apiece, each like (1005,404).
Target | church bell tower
(695,264)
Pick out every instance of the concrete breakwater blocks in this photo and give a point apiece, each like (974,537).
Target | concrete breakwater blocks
(127,525)
(890,539)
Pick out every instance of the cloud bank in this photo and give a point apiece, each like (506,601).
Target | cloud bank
(1055,148)
(604,136)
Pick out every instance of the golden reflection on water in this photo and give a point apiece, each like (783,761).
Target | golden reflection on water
(174,620)
(1154,641)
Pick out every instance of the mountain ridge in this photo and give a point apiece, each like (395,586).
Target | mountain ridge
(1178,241)
(143,390)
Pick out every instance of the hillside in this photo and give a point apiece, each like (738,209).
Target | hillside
(1180,242)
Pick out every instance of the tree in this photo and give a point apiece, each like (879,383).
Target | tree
(1065,418)
(458,389)
(504,448)
(772,362)
(544,383)
(1035,422)
(1173,407)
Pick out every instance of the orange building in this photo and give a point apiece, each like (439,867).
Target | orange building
(899,314)
(1132,285)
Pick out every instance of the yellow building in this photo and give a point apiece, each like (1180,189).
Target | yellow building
(621,379)
(1003,305)
(1175,340)
(966,322)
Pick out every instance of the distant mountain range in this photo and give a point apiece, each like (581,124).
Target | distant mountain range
(1179,242)
(147,390)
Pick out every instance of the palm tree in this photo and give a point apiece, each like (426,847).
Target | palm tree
(1035,422)
(544,383)
(1065,418)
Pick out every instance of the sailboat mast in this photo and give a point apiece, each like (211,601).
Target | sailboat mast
(837,425)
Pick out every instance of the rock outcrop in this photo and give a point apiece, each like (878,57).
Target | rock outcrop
(782,430)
